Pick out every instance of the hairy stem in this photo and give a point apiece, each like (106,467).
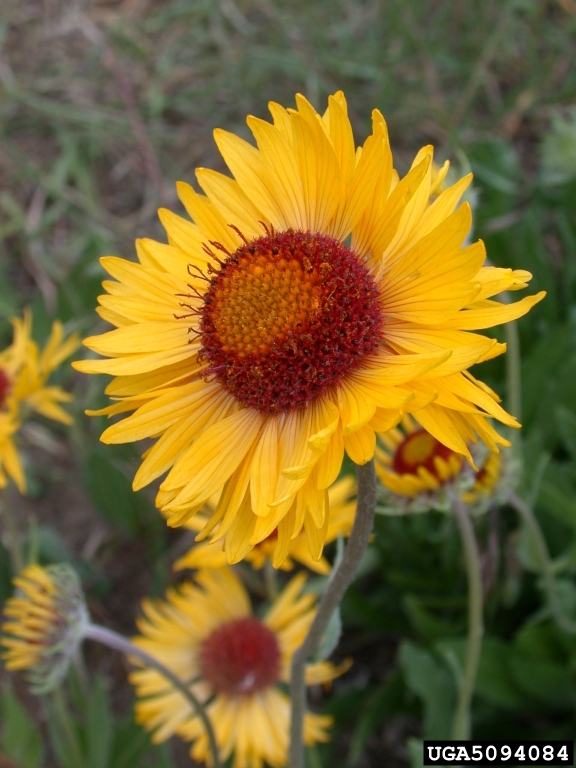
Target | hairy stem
(339,582)
(461,723)
(270,580)
(119,643)
(546,570)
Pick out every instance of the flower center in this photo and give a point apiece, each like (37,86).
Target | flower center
(4,388)
(240,657)
(287,315)
(420,449)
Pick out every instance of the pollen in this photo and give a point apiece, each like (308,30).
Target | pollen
(240,657)
(288,315)
(421,450)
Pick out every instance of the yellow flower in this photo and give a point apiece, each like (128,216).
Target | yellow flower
(213,554)
(205,632)
(315,299)
(418,471)
(24,372)
(46,620)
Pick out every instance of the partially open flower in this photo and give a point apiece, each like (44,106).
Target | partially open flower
(46,620)
(206,633)
(419,473)
(24,373)
(212,554)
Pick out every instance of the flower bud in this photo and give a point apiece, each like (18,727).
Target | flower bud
(47,617)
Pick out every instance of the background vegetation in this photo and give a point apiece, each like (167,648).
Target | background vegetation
(104,104)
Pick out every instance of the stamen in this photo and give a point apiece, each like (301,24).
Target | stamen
(239,233)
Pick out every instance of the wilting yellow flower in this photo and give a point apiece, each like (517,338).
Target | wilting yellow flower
(315,299)
(24,372)
(205,632)
(213,554)
(46,620)
(420,472)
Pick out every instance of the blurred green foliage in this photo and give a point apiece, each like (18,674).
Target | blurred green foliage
(103,105)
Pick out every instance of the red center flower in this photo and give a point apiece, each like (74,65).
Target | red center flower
(286,316)
(241,657)
(419,449)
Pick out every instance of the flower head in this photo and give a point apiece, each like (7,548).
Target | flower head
(212,554)
(419,473)
(24,373)
(316,298)
(46,620)
(206,633)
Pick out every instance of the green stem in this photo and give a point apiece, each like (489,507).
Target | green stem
(119,643)
(545,562)
(271,580)
(12,535)
(461,723)
(340,580)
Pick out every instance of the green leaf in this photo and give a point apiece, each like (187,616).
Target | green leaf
(99,726)
(51,547)
(566,423)
(64,732)
(19,736)
(545,682)
(539,373)
(111,491)
(544,642)
(385,700)
(416,752)
(426,623)
(495,681)
(331,637)
(130,744)
(527,551)
(557,495)
(429,678)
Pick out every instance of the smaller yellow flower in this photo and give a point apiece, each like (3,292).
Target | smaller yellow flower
(418,471)
(212,554)
(46,620)
(206,633)
(24,372)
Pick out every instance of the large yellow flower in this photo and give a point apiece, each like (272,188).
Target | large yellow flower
(212,554)
(24,372)
(206,633)
(315,299)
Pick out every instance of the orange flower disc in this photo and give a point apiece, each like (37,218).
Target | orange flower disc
(287,315)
